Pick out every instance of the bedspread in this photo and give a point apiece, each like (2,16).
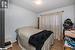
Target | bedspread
(24,34)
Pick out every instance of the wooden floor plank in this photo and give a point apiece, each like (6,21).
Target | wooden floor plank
(15,47)
(58,45)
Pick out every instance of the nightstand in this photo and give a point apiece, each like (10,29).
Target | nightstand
(67,48)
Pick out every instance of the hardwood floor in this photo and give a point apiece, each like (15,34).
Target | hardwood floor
(15,47)
(58,45)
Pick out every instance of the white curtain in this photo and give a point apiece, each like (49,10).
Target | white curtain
(52,22)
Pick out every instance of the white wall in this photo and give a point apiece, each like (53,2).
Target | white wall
(74,13)
(68,12)
(16,17)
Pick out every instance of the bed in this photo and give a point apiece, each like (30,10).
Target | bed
(24,34)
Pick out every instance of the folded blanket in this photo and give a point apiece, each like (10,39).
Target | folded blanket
(70,41)
(37,40)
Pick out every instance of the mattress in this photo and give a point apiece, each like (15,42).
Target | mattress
(24,34)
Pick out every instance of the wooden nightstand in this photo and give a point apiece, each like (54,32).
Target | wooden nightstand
(67,48)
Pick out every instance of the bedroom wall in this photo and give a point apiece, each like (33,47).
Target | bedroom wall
(68,12)
(74,13)
(15,17)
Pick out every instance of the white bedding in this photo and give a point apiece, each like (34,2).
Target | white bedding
(24,34)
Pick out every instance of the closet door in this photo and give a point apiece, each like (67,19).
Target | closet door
(2,27)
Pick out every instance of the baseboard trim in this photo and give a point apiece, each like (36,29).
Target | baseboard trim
(13,41)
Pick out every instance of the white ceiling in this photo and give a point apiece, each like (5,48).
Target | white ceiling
(45,6)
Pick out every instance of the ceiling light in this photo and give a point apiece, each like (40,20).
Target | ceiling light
(38,2)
